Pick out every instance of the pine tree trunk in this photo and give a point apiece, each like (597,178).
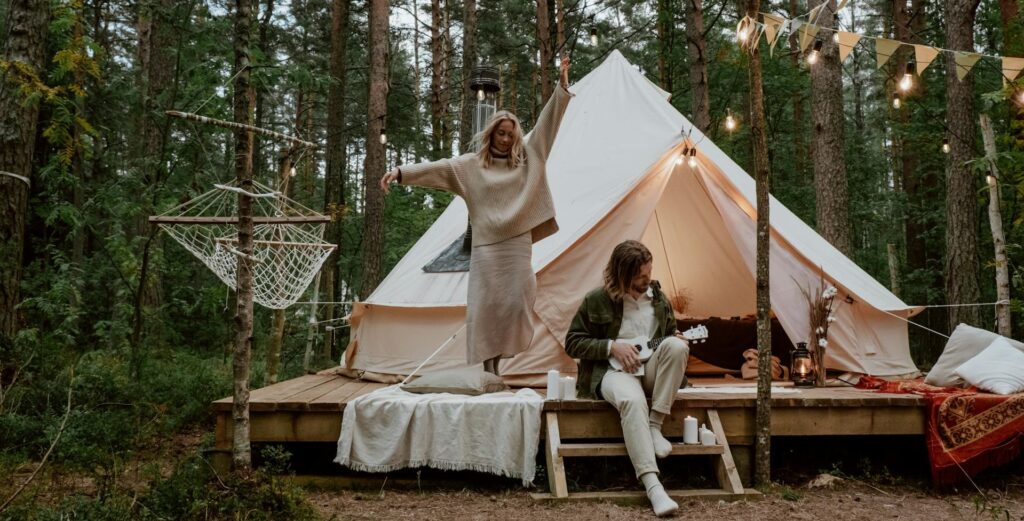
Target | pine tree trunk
(759,146)
(155,73)
(995,220)
(28,22)
(334,182)
(799,146)
(439,93)
(376,111)
(417,78)
(961,204)
(664,26)
(243,113)
(544,45)
(468,64)
(560,29)
(830,184)
(696,48)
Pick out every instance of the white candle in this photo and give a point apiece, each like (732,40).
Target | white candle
(554,385)
(568,388)
(707,437)
(690,430)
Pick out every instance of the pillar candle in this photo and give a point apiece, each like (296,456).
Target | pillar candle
(690,430)
(568,388)
(554,385)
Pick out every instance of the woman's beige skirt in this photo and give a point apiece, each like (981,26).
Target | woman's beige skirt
(502,291)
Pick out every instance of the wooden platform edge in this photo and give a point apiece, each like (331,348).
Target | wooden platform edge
(636,497)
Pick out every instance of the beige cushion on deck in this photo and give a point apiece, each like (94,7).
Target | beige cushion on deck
(470,380)
(998,369)
(964,344)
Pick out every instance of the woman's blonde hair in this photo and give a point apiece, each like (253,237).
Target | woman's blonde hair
(516,154)
(627,259)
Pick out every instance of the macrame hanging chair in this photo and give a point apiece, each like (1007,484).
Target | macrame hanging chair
(288,247)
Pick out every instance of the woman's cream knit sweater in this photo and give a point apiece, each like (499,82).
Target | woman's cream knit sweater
(503,203)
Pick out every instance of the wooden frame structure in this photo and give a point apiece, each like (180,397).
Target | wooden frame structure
(308,409)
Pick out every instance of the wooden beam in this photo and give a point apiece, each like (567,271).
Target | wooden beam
(299,219)
(556,465)
(725,467)
(239,126)
(619,449)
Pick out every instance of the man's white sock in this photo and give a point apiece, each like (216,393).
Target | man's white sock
(660,502)
(662,447)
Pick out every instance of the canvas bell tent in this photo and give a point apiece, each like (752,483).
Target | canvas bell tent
(614,175)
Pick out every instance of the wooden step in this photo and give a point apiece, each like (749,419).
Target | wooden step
(567,450)
(638,497)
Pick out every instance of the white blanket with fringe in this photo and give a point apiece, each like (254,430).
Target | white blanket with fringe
(391,429)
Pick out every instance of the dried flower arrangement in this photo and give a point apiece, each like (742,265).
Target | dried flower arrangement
(821,305)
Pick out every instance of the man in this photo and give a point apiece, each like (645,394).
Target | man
(627,306)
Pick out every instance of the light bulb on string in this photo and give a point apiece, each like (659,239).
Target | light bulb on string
(945,145)
(812,57)
(897,102)
(908,77)
(730,122)
(835,34)
(291,172)
(692,161)
(480,94)
(679,160)
(383,136)
(593,36)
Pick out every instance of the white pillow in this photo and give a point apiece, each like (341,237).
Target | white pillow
(963,344)
(998,369)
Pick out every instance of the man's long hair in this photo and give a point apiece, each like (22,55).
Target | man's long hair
(516,154)
(627,259)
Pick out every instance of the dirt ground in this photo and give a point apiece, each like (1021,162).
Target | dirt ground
(845,500)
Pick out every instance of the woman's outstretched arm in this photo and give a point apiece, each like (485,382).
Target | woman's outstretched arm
(434,174)
(546,129)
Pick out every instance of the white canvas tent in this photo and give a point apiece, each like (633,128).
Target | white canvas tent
(613,176)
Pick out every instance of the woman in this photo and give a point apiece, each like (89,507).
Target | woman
(506,191)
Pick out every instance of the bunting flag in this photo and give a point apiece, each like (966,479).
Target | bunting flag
(744,27)
(964,63)
(842,4)
(807,34)
(812,17)
(772,29)
(924,56)
(847,41)
(884,49)
(1011,69)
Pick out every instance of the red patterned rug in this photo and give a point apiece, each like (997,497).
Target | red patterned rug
(967,430)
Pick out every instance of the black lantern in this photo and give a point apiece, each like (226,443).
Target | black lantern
(801,369)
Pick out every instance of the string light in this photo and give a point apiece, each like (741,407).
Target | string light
(812,57)
(593,36)
(897,102)
(480,95)
(835,34)
(908,77)
(383,136)
(945,145)
(730,122)
(693,158)
(291,173)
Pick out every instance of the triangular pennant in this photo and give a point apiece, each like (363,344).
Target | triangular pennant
(772,29)
(884,49)
(745,27)
(847,41)
(842,4)
(807,34)
(964,63)
(812,17)
(924,55)
(1012,68)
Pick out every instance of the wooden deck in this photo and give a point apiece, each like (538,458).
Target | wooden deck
(308,409)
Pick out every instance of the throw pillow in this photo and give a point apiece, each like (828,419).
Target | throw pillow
(965,343)
(998,369)
(470,380)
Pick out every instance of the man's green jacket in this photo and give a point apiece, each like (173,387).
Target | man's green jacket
(596,322)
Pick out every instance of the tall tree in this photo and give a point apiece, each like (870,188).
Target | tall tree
(334,182)
(830,184)
(799,147)
(545,51)
(759,151)
(696,46)
(243,106)
(440,95)
(665,28)
(962,265)
(468,63)
(23,62)
(156,68)
(376,112)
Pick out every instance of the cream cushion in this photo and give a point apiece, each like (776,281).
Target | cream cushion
(964,344)
(998,369)
(470,380)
